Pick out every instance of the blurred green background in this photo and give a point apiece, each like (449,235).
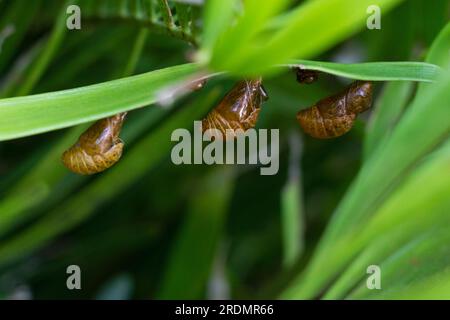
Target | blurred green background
(148,229)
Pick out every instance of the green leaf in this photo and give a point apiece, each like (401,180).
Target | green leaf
(375,71)
(423,126)
(426,255)
(217,17)
(18,17)
(136,52)
(38,185)
(292,211)
(439,53)
(420,204)
(49,180)
(101,42)
(191,258)
(436,287)
(82,205)
(432,18)
(256,13)
(42,62)
(396,39)
(388,110)
(156,15)
(311,29)
(29,115)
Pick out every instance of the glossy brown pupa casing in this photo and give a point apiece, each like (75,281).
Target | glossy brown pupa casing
(98,148)
(334,116)
(239,109)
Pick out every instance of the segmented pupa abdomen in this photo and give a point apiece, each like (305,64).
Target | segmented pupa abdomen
(334,116)
(98,148)
(239,109)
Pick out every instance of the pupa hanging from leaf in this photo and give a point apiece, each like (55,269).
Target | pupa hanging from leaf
(334,116)
(238,110)
(98,148)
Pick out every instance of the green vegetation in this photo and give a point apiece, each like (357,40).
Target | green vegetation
(146,228)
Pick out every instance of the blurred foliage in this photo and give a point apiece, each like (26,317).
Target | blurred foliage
(147,228)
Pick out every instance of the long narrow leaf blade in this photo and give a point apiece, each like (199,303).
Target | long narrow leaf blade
(375,71)
(422,128)
(387,112)
(24,116)
(314,27)
(190,262)
(81,206)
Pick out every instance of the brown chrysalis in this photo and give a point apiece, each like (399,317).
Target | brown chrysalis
(98,148)
(239,109)
(333,116)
